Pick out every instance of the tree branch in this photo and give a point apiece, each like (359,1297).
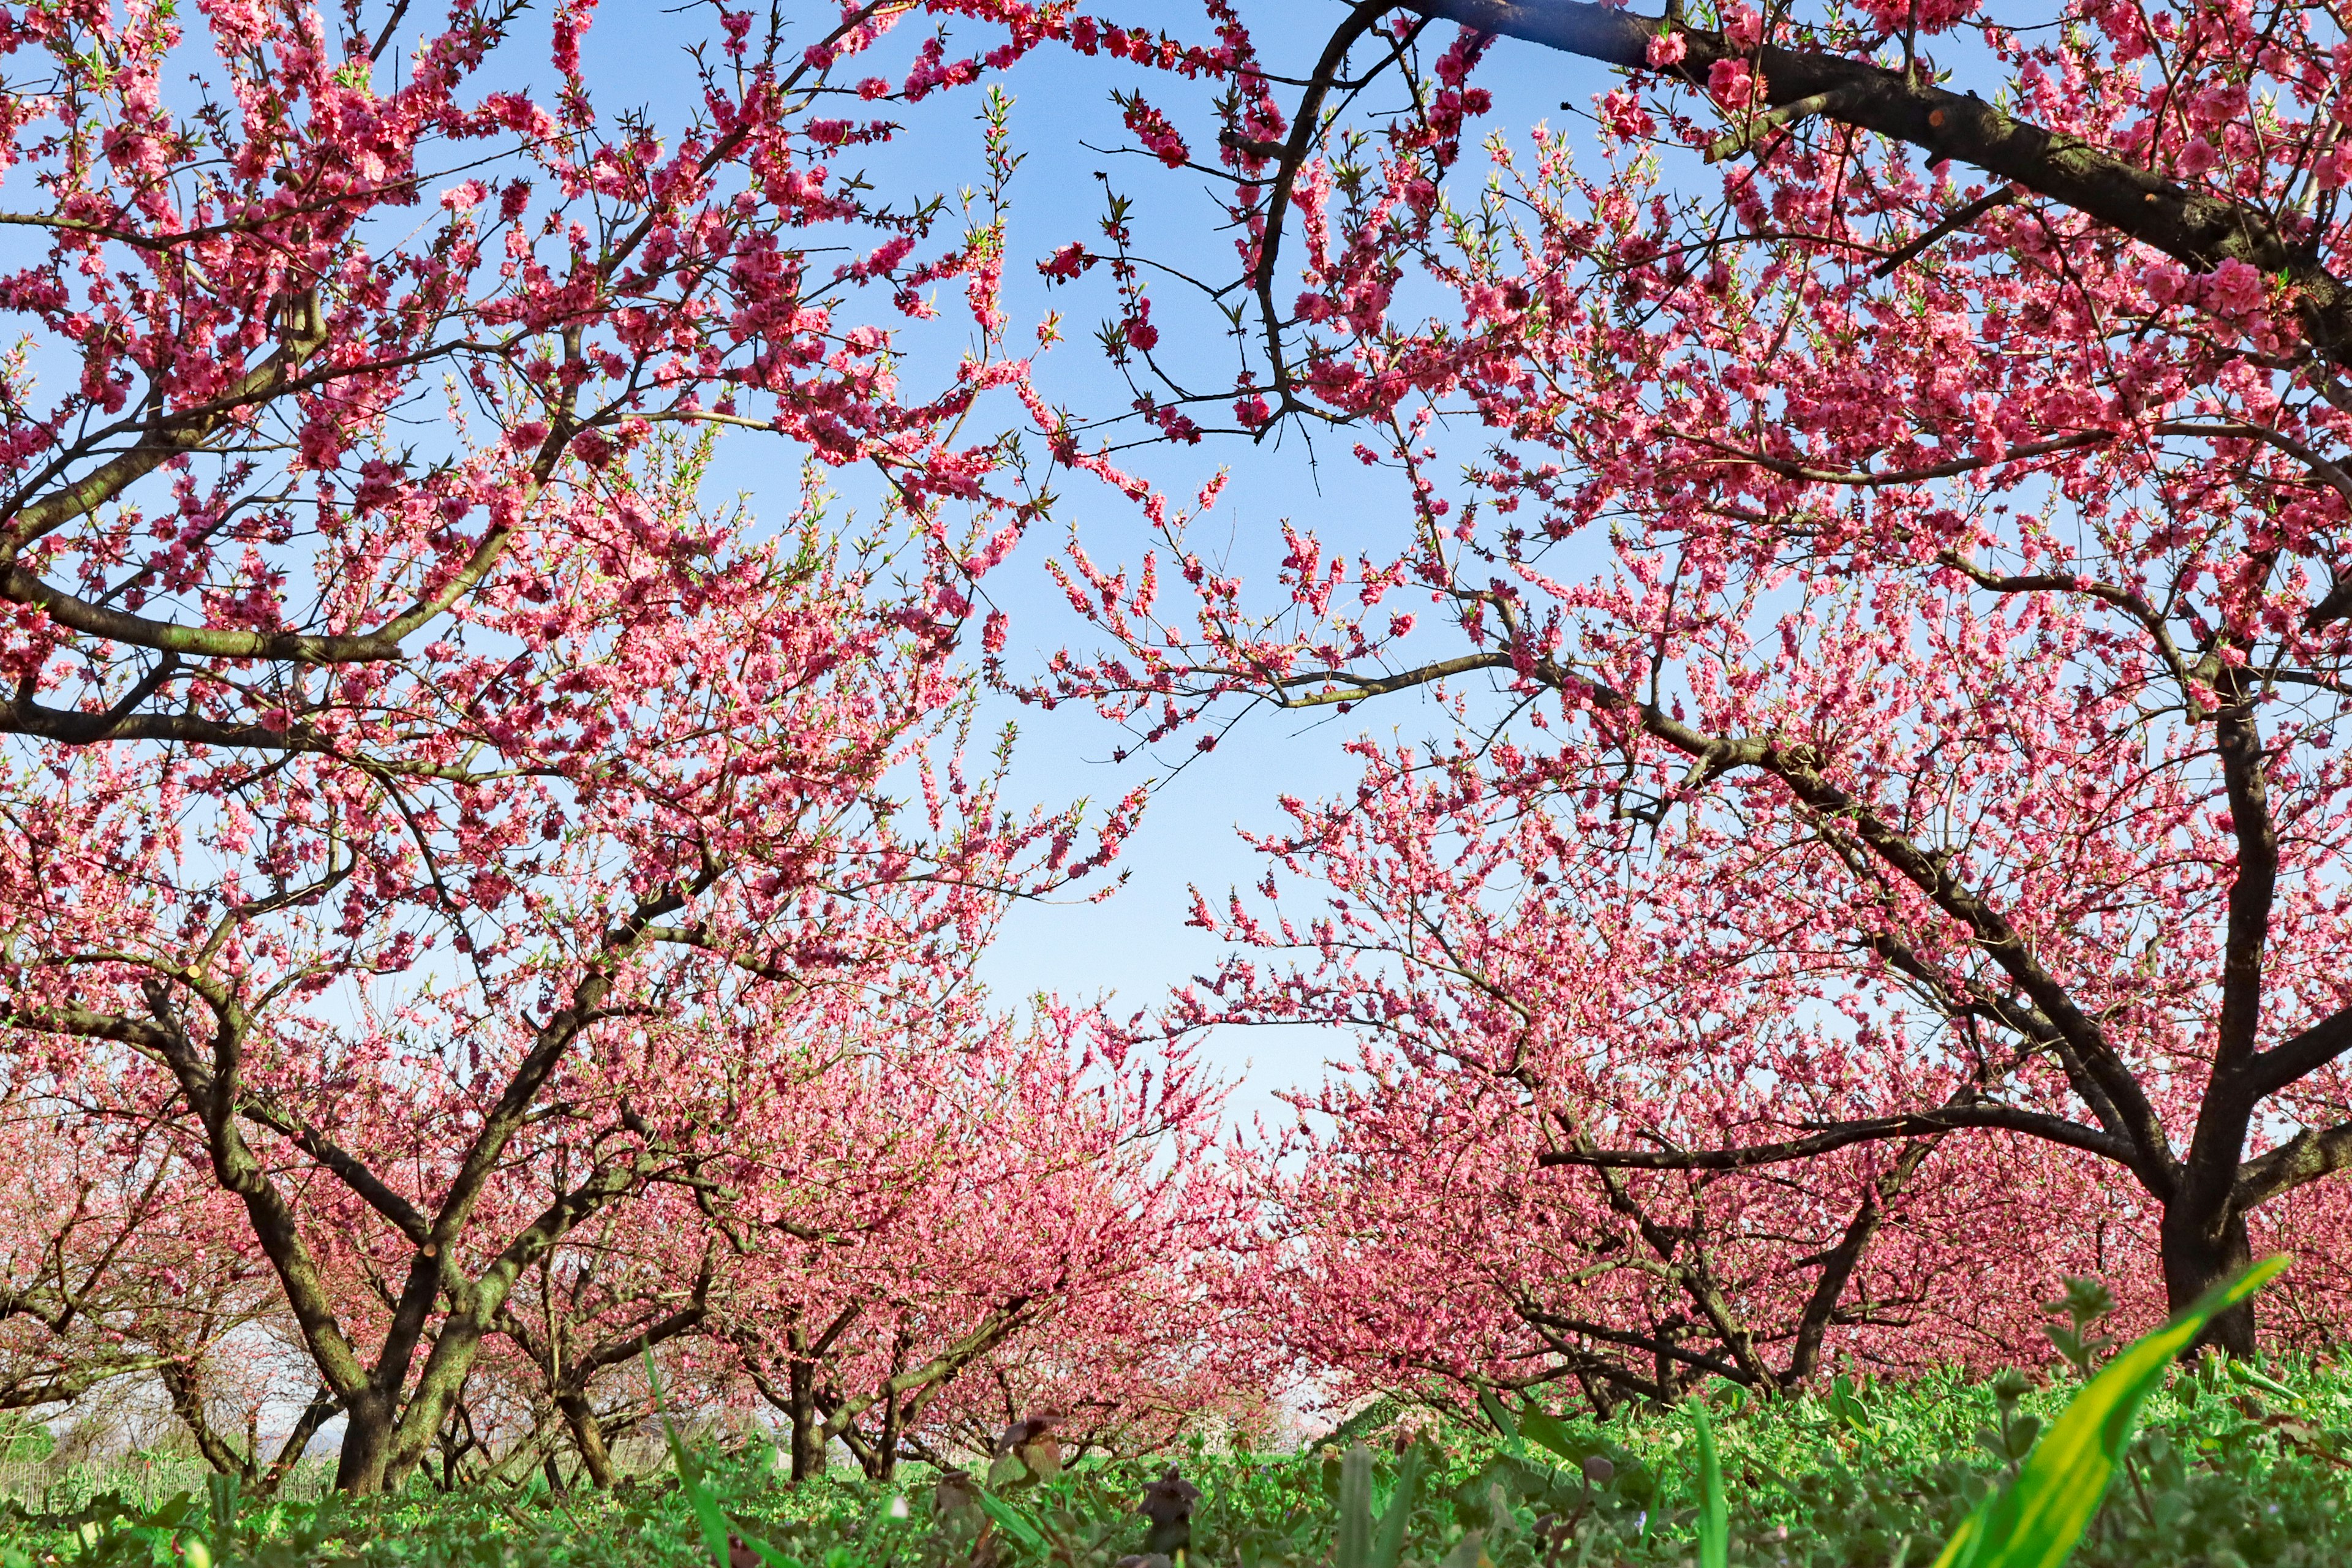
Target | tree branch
(2309,1155)
(2200,229)
(1918,1124)
(2302,1055)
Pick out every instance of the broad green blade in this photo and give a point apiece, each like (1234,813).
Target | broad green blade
(1713,1513)
(2037,1520)
(767,1553)
(1015,1523)
(1355,1544)
(1388,1546)
(1961,1548)
(2254,1379)
(1500,1414)
(1542,1426)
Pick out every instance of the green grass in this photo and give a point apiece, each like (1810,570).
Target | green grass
(2224,1471)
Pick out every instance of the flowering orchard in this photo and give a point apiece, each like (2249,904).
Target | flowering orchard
(1874,523)
(437,832)
(1870,519)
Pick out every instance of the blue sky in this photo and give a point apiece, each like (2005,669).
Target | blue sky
(1136,945)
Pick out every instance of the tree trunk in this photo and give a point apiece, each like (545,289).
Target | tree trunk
(808,1424)
(886,1456)
(181,1383)
(367,1444)
(2200,1254)
(588,1438)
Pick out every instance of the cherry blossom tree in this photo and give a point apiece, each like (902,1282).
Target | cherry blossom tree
(385,1016)
(580,1325)
(1908,477)
(75,1293)
(390,807)
(952,1191)
(347,225)
(1522,1001)
(126,1276)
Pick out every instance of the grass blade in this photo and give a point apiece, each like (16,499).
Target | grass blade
(1500,1414)
(1713,1512)
(2037,1520)
(1354,1548)
(1388,1546)
(717,1531)
(1015,1523)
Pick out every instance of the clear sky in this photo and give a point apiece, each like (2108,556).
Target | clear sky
(1137,945)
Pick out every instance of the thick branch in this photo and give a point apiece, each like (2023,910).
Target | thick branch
(322,1408)
(2238,739)
(1838,1268)
(1918,1124)
(2309,1155)
(2302,1055)
(346,1168)
(67,1386)
(991,1333)
(2198,227)
(1799,768)
(186,1394)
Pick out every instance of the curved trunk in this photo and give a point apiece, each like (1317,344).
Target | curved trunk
(587,1438)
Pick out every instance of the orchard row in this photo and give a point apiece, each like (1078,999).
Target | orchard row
(1869,544)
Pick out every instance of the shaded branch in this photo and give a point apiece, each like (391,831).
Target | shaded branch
(2309,1155)
(1918,1124)
(2198,227)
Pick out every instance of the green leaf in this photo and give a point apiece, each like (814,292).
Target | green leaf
(2037,1520)
(1470,1551)
(1500,1414)
(1388,1546)
(767,1553)
(707,1511)
(709,1514)
(1713,1513)
(1015,1523)
(1542,1426)
(221,1496)
(2253,1379)
(1354,1547)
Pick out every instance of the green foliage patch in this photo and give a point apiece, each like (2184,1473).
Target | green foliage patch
(2231,1467)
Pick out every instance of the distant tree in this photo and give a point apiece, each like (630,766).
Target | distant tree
(948,1191)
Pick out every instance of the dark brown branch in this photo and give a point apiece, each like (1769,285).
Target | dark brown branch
(1918,1124)
(346,1168)
(2303,1158)
(2198,227)
(1838,1268)
(322,1408)
(1799,768)
(1952,222)
(1655,1346)
(2304,1054)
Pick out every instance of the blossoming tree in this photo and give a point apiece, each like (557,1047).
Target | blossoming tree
(393,794)
(1904,539)
(951,1188)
